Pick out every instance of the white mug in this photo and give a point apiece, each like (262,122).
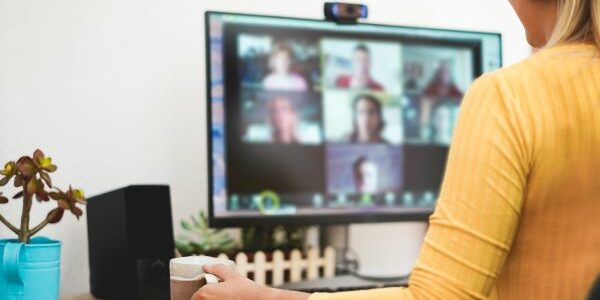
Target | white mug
(188,275)
(192,268)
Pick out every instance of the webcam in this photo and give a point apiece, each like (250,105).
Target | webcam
(345,13)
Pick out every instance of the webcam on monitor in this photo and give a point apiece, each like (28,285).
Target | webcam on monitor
(345,13)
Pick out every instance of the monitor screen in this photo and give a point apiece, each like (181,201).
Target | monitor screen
(311,122)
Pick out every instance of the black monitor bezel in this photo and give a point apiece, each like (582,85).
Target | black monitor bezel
(295,220)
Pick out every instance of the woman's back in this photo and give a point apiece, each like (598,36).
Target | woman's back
(519,210)
(556,250)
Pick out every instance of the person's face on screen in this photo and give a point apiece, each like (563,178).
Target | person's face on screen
(368,120)
(368,177)
(361,63)
(281,62)
(282,116)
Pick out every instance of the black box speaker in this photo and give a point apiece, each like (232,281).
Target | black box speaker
(130,234)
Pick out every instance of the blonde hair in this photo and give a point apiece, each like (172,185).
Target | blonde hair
(577,21)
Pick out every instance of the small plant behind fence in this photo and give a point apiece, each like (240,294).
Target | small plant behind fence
(277,270)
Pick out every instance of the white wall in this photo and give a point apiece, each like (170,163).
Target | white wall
(114,90)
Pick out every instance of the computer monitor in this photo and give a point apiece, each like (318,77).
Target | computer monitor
(312,122)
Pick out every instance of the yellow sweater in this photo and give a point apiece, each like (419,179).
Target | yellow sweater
(518,215)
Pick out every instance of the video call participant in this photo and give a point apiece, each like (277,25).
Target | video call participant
(443,122)
(442,85)
(367,120)
(366,175)
(283,119)
(361,72)
(281,76)
(440,88)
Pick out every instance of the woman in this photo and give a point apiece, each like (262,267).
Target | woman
(367,120)
(282,77)
(519,210)
(441,88)
(283,119)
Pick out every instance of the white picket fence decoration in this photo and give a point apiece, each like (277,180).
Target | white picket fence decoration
(278,265)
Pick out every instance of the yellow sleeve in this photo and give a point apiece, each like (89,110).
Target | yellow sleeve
(478,211)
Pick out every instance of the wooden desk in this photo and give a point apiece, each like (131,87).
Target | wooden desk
(77,297)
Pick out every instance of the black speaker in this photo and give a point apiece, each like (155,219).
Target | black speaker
(130,234)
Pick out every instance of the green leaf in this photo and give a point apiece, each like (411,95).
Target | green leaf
(225,243)
(195,221)
(199,247)
(184,248)
(18,195)
(185,225)
(202,225)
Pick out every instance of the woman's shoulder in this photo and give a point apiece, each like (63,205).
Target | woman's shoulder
(523,88)
(544,67)
(495,90)
(501,78)
(511,81)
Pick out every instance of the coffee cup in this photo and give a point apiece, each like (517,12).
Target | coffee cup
(188,275)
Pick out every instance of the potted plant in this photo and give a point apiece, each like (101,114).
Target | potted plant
(32,266)
(198,239)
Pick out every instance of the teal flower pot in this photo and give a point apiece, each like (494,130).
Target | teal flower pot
(29,271)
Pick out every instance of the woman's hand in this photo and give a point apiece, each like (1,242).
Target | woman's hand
(237,287)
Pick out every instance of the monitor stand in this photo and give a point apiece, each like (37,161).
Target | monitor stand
(375,250)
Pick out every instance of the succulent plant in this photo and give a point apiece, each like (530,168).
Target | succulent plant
(273,238)
(198,238)
(31,174)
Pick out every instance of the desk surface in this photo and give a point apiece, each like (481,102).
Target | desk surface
(342,281)
(77,297)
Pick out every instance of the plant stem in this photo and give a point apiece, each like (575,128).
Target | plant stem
(10,226)
(43,224)
(25,235)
